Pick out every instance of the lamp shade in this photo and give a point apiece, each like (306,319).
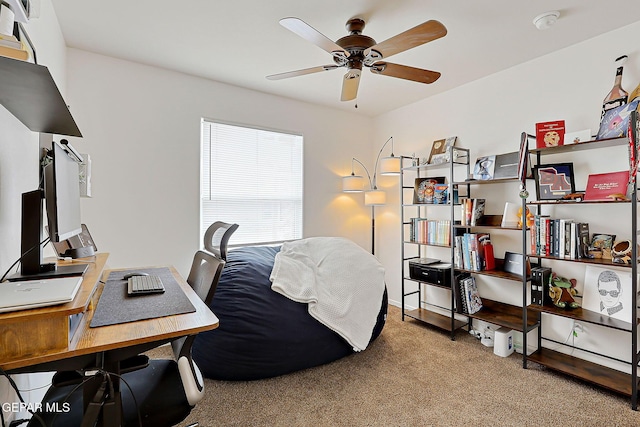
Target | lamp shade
(375,197)
(390,165)
(352,183)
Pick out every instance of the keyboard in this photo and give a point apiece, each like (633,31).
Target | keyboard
(143,285)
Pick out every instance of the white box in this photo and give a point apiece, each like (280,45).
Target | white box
(503,342)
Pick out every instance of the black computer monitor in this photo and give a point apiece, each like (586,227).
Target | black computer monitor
(62,195)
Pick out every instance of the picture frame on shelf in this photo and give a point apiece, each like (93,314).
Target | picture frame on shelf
(608,291)
(554,181)
(424,189)
(440,150)
(484,168)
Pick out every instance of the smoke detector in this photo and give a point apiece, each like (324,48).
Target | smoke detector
(545,20)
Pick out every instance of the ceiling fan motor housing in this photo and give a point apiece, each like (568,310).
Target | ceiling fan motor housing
(355,43)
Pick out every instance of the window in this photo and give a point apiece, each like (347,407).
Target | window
(251,177)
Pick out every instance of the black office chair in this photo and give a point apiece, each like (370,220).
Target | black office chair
(153,392)
(217,237)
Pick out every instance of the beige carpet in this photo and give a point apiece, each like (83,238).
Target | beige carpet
(414,375)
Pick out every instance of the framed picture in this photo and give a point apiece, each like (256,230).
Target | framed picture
(554,181)
(484,168)
(424,190)
(440,148)
(608,291)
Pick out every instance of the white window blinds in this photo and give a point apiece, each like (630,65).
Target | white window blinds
(251,177)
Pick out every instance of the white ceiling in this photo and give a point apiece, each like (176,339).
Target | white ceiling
(239,42)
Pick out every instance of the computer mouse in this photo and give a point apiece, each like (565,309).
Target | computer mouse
(134,273)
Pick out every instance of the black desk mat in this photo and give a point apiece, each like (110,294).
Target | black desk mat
(115,306)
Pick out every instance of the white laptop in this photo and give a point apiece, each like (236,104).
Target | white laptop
(38,293)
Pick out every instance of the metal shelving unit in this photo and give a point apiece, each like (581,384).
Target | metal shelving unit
(608,378)
(426,312)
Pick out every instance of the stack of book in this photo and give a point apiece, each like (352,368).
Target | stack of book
(431,232)
(471,252)
(472,210)
(561,238)
(11,47)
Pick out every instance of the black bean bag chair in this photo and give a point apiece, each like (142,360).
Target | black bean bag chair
(262,333)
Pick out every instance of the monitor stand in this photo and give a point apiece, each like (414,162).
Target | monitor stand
(53,273)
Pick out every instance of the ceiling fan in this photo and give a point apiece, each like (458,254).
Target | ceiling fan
(357,50)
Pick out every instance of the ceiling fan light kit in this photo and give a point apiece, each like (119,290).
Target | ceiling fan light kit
(356,50)
(546,20)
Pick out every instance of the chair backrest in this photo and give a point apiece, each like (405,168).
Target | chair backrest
(217,237)
(204,276)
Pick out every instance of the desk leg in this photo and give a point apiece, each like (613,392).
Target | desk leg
(102,401)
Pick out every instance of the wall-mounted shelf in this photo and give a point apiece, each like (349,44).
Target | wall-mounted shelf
(29,92)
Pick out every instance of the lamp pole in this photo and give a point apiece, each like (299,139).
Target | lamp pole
(373,196)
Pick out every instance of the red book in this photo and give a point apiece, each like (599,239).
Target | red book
(550,134)
(607,186)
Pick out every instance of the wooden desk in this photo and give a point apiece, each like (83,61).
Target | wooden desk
(38,339)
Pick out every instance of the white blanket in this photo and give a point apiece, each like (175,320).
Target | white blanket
(342,283)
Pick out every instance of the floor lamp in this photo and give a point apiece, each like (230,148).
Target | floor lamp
(372,197)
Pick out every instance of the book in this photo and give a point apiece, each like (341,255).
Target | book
(472,296)
(506,165)
(484,168)
(441,194)
(583,237)
(461,303)
(440,150)
(477,211)
(607,186)
(550,134)
(10,52)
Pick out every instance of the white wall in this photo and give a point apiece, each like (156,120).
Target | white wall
(488,116)
(19,155)
(137,116)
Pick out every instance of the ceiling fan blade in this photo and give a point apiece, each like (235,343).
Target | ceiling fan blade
(309,33)
(312,70)
(405,72)
(420,34)
(350,83)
